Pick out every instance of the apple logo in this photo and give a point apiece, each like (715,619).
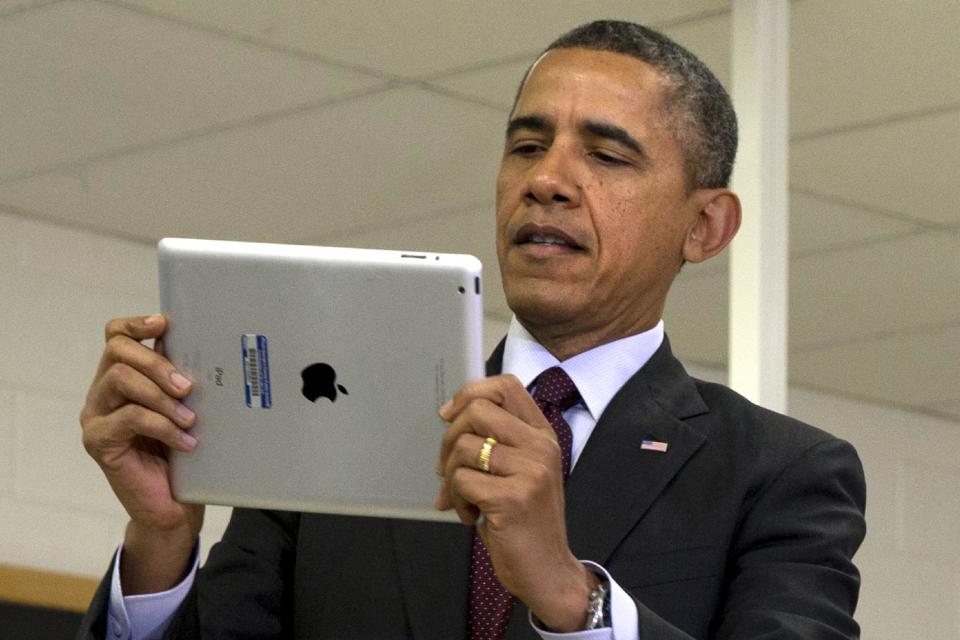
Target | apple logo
(319,380)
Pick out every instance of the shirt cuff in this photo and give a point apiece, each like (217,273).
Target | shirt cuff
(145,616)
(623,615)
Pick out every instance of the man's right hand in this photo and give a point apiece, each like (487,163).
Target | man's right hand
(132,413)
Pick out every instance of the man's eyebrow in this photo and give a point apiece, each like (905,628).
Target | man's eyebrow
(533,123)
(615,133)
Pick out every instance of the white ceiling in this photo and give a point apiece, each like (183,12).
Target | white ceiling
(379,124)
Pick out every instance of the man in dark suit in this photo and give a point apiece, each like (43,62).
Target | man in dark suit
(688,512)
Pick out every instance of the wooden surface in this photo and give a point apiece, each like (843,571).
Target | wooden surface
(45,588)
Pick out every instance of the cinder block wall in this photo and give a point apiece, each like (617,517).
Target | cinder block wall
(58,286)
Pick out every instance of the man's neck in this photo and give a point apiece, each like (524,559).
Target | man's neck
(565,344)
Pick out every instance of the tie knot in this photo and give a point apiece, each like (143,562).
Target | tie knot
(555,388)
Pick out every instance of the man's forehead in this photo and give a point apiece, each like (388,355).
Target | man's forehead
(604,83)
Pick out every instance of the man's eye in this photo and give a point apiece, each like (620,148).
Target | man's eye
(606,158)
(525,148)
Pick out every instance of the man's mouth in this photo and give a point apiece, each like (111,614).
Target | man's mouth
(549,236)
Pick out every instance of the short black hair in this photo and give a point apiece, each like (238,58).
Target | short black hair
(699,108)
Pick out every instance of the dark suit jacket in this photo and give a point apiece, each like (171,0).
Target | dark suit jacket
(744,528)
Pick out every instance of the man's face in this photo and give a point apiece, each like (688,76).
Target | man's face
(592,200)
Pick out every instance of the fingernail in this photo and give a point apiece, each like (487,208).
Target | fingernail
(188,439)
(179,381)
(445,409)
(184,413)
(152,320)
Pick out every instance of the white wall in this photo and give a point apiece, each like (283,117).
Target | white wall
(58,286)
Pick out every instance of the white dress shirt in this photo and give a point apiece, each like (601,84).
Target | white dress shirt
(598,373)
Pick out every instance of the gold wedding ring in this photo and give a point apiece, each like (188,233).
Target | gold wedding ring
(483,460)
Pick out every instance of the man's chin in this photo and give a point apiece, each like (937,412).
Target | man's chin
(543,306)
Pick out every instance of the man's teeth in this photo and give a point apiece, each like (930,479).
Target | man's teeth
(541,239)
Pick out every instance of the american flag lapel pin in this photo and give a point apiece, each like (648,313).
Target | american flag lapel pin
(654,445)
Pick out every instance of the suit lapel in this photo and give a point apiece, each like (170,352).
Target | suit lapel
(495,362)
(615,481)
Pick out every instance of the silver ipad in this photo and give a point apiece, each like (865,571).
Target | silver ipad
(318,371)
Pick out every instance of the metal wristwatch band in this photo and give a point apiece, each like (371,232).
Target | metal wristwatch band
(598,607)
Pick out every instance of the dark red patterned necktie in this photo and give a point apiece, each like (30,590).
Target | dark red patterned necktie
(490,603)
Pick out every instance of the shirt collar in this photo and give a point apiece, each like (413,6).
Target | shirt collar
(598,373)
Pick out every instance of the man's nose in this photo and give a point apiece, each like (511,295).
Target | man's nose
(553,179)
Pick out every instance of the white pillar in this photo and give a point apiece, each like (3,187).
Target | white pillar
(760,253)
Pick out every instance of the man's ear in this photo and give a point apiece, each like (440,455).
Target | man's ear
(718,220)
